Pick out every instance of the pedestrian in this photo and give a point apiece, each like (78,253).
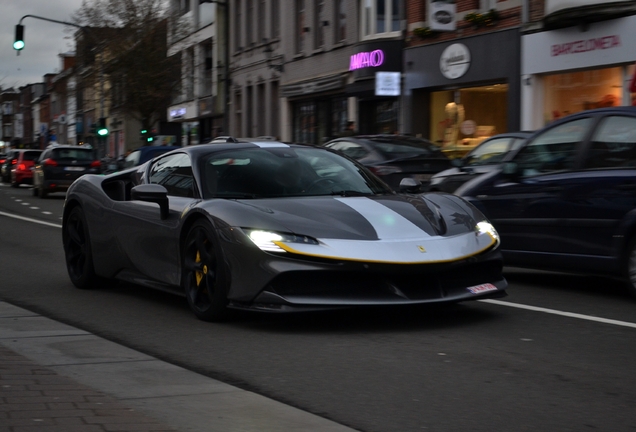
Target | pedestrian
(350,130)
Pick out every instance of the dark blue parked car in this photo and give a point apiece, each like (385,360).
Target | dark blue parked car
(566,200)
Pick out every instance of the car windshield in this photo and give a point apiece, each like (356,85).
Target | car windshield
(77,154)
(401,147)
(285,172)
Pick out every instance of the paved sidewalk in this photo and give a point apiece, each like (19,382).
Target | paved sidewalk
(36,399)
(57,378)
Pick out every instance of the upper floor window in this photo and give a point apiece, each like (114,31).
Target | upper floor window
(249,23)
(275,19)
(184,6)
(300,25)
(261,21)
(486,5)
(380,18)
(340,21)
(319,18)
(238,16)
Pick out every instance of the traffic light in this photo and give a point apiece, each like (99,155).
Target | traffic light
(146,136)
(102,130)
(18,44)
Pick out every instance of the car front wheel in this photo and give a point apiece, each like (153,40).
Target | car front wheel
(205,279)
(77,249)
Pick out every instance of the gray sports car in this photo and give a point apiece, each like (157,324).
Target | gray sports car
(268,226)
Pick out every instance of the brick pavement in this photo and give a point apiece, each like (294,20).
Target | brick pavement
(36,399)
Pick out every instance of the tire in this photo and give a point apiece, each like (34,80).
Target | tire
(630,267)
(204,274)
(77,250)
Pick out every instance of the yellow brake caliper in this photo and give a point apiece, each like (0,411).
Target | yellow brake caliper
(200,273)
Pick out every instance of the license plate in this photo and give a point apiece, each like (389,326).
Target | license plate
(73,169)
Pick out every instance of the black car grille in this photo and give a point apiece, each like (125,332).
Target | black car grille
(414,284)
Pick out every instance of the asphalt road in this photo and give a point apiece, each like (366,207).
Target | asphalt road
(556,355)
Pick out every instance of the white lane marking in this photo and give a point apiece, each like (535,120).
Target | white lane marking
(561,313)
(34,208)
(26,203)
(30,220)
(46,212)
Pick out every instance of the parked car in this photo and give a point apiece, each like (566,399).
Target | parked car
(394,157)
(10,159)
(482,159)
(566,200)
(22,170)
(268,226)
(60,165)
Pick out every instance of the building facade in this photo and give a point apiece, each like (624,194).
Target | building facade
(197,36)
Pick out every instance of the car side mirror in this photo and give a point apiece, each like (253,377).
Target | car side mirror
(153,193)
(457,162)
(410,185)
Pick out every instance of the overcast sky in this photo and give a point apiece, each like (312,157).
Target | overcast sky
(44,40)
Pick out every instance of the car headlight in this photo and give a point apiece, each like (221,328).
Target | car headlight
(484,227)
(266,240)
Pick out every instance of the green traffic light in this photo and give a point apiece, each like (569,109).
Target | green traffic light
(18,44)
(102,132)
(150,139)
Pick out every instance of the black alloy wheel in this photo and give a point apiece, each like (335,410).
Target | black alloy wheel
(77,250)
(205,280)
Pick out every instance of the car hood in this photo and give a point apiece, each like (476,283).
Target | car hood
(394,228)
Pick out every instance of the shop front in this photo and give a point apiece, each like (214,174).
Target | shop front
(318,108)
(573,69)
(460,92)
(376,69)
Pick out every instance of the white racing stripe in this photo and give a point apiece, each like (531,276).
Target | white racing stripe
(30,220)
(561,313)
(387,223)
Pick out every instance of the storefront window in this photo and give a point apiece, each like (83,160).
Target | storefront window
(572,92)
(320,120)
(461,119)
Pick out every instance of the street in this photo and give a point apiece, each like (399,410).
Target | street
(556,354)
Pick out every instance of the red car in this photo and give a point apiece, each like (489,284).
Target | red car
(22,170)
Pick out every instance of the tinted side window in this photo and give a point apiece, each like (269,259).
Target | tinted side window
(553,150)
(613,144)
(175,174)
(489,152)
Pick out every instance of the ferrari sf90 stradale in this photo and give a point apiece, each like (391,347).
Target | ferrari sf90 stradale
(268,226)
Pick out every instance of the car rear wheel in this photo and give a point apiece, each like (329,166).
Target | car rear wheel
(77,249)
(205,279)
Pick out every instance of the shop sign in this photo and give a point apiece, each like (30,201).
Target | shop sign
(177,113)
(455,61)
(387,83)
(552,6)
(581,46)
(366,59)
(442,15)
